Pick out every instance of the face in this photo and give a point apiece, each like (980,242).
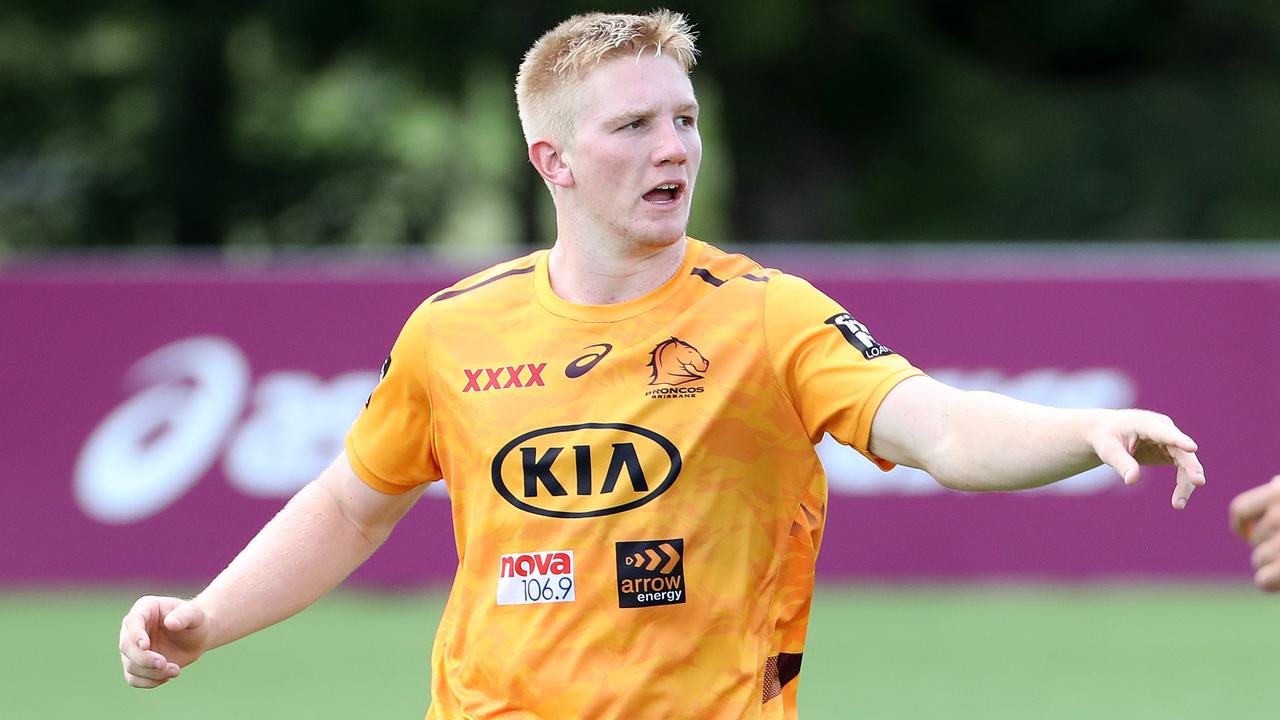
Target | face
(636,152)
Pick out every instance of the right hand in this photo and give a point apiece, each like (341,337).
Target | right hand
(160,636)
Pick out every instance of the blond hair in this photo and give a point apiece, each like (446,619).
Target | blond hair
(567,53)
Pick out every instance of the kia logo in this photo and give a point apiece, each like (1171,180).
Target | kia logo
(585,470)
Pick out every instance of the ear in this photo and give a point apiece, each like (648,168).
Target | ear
(547,157)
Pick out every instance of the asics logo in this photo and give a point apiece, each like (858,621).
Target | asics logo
(582,365)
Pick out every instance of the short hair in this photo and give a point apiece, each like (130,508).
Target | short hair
(567,53)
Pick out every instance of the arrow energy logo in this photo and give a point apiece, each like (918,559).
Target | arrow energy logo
(650,572)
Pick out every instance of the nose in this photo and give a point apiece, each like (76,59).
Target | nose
(671,148)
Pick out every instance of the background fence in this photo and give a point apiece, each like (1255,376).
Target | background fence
(175,405)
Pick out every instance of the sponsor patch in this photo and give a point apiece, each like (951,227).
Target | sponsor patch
(585,470)
(651,572)
(507,377)
(537,577)
(857,335)
(382,375)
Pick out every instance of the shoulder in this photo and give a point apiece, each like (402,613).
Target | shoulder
(506,282)
(717,267)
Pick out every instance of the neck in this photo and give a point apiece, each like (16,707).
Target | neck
(601,273)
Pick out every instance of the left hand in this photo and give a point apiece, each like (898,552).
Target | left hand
(1127,439)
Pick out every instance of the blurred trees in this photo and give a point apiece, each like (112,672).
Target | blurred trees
(257,123)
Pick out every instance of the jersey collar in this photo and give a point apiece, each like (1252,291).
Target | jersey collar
(617,311)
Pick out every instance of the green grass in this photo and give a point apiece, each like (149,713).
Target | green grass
(950,652)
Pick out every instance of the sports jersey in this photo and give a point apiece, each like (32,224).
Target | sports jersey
(636,499)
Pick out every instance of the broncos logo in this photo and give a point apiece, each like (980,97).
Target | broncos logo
(676,362)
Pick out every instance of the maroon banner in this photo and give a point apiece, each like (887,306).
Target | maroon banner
(154,417)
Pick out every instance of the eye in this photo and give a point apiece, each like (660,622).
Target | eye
(687,120)
(634,125)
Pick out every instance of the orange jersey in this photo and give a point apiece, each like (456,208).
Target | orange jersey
(636,499)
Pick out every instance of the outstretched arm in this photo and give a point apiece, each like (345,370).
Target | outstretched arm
(983,441)
(326,531)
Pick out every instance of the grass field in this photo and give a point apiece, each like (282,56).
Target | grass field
(954,652)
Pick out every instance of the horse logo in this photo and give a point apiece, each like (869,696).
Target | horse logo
(676,362)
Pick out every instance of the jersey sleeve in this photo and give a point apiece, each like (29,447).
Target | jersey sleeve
(390,445)
(834,371)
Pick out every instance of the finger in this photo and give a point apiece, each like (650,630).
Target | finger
(1190,476)
(154,667)
(1266,527)
(1182,489)
(1266,563)
(1266,551)
(143,682)
(1268,578)
(137,620)
(187,616)
(126,639)
(1190,464)
(1161,430)
(1246,531)
(1249,505)
(1111,452)
(134,648)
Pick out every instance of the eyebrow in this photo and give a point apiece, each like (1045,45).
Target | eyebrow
(628,115)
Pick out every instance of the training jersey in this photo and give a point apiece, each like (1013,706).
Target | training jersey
(636,500)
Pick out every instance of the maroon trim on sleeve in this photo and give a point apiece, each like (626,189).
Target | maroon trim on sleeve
(706,275)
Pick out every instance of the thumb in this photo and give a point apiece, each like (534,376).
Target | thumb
(187,616)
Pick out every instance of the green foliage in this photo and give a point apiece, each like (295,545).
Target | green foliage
(277,122)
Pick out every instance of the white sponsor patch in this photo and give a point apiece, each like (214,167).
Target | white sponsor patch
(537,577)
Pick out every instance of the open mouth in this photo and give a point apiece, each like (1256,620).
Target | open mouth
(664,194)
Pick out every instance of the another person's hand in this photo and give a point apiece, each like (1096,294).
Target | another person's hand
(160,636)
(1255,516)
(1131,438)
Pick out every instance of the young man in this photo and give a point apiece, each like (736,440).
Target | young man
(626,426)
(1255,516)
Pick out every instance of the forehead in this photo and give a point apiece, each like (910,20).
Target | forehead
(627,82)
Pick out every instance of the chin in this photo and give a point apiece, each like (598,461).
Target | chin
(659,236)
(654,242)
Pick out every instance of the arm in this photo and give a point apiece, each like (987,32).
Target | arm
(1255,516)
(983,441)
(324,532)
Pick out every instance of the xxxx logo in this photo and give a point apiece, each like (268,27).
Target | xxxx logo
(504,378)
